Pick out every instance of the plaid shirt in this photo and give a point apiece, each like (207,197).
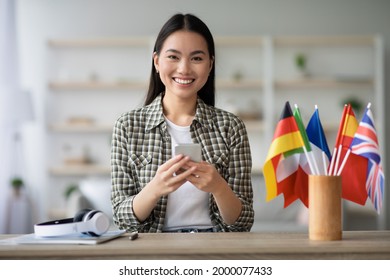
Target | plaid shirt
(141,143)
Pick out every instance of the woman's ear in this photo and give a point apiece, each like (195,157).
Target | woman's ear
(211,63)
(155,61)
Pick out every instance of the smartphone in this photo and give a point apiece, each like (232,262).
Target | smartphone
(194,151)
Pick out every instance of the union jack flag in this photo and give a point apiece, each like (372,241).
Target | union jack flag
(365,144)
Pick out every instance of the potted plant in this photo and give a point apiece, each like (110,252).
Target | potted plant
(70,190)
(17,184)
(356,104)
(301,64)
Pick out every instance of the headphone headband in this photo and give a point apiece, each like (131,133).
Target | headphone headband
(93,223)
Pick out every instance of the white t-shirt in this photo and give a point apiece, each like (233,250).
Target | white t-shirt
(187,207)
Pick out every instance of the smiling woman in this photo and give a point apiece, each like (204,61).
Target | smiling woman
(154,190)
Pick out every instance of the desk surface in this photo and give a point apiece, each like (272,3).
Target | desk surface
(354,245)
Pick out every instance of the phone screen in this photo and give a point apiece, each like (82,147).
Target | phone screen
(194,151)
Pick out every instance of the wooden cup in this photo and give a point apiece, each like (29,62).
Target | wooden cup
(325,222)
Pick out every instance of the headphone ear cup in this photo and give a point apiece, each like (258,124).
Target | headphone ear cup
(87,217)
(84,215)
(79,217)
(97,226)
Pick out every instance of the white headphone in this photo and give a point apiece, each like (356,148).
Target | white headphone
(87,221)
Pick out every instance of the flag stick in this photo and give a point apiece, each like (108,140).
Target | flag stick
(343,163)
(315,164)
(324,163)
(337,159)
(309,161)
(332,161)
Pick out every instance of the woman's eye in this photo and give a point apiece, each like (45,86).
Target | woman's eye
(197,58)
(174,57)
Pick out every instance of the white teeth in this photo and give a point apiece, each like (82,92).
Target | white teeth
(183,82)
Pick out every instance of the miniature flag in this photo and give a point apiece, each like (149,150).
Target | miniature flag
(287,138)
(319,145)
(365,144)
(306,163)
(354,172)
(347,128)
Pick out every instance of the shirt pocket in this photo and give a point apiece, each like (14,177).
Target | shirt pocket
(141,168)
(140,161)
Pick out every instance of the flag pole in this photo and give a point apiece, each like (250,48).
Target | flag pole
(324,163)
(343,163)
(336,165)
(338,140)
(330,171)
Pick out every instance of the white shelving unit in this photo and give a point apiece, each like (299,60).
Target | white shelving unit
(340,68)
(95,80)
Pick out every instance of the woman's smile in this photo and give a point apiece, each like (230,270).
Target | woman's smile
(183,81)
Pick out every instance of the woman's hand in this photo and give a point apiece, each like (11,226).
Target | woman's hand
(171,175)
(205,177)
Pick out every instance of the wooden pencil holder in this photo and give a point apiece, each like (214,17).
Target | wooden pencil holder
(325,220)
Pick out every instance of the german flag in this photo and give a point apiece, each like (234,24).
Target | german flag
(286,142)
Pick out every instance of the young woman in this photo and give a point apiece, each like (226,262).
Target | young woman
(152,189)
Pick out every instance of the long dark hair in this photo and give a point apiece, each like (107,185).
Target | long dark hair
(190,23)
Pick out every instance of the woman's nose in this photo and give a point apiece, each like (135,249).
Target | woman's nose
(184,67)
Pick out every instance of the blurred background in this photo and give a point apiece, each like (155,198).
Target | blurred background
(69,68)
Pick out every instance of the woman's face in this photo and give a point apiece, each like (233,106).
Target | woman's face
(184,64)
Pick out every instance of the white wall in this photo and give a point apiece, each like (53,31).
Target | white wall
(40,20)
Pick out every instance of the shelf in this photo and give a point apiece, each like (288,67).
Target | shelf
(100,42)
(244,84)
(324,83)
(97,86)
(146,41)
(322,41)
(81,128)
(242,41)
(80,170)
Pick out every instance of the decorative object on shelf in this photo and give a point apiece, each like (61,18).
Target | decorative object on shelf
(356,104)
(75,201)
(76,159)
(301,64)
(18,209)
(80,120)
(17,184)
(70,189)
(94,77)
(237,76)
(251,111)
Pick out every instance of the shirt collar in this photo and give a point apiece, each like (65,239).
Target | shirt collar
(204,114)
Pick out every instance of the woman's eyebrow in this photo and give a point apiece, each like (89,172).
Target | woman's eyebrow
(192,53)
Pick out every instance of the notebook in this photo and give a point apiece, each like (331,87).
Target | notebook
(65,239)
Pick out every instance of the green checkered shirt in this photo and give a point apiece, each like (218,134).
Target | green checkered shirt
(141,143)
